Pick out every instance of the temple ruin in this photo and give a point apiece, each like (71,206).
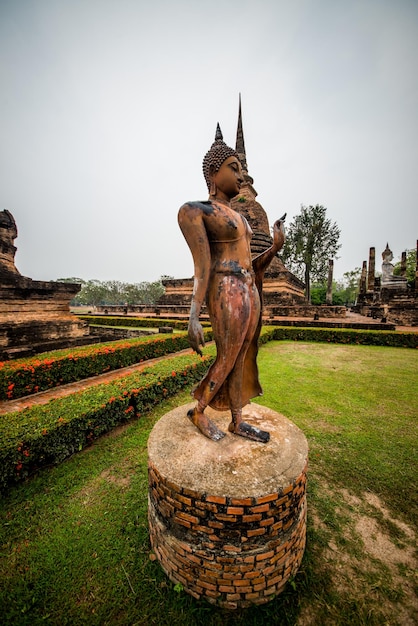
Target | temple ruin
(34,315)
(388,297)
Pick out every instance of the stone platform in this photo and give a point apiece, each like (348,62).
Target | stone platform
(228,518)
(35,317)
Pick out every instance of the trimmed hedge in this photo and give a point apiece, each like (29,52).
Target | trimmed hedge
(45,435)
(393,339)
(23,377)
(137,322)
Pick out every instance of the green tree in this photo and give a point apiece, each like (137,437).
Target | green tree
(411,263)
(311,240)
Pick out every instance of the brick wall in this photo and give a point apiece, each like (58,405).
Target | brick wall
(233,552)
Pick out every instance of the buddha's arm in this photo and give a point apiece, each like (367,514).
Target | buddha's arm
(192,226)
(263,260)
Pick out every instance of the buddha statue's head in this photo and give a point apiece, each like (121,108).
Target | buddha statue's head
(387,255)
(217,154)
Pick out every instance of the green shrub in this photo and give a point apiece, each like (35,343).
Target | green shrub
(47,434)
(26,376)
(137,322)
(388,338)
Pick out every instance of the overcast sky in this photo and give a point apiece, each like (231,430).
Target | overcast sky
(108,106)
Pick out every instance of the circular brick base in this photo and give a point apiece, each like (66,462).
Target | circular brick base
(227,519)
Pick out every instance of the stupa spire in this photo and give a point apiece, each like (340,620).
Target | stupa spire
(240,144)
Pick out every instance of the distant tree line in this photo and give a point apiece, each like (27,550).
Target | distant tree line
(96,292)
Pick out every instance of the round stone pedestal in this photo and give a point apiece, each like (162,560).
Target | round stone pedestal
(227,519)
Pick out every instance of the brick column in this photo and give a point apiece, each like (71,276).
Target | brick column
(329,285)
(371,273)
(228,519)
(363,278)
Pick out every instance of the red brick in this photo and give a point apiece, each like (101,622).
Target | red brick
(206,506)
(226,559)
(233,596)
(246,568)
(264,556)
(206,585)
(214,524)
(190,492)
(241,501)
(216,499)
(269,498)
(171,485)
(227,577)
(235,510)
(202,529)
(255,517)
(226,589)
(183,499)
(226,518)
(249,559)
(251,574)
(230,548)
(260,586)
(252,596)
(185,516)
(244,589)
(241,582)
(256,532)
(262,508)
(194,558)
(183,522)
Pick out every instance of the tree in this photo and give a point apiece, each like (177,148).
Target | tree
(311,240)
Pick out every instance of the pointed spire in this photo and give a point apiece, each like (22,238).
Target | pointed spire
(218,134)
(240,145)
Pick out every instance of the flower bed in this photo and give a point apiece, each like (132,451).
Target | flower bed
(23,377)
(47,434)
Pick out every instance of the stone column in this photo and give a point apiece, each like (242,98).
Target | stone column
(329,285)
(416,270)
(363,278)
(370,277)
(403,265)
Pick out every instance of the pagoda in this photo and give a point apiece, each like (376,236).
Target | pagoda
(280,287)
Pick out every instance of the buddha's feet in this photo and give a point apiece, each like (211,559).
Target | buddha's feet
(206,426)
(250,432)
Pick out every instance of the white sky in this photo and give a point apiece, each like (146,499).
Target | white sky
(108,106)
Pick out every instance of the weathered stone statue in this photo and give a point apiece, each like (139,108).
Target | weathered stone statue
(224,274)
(388,279)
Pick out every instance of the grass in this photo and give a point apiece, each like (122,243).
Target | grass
(74,539)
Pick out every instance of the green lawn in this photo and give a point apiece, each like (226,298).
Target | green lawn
(74,539)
